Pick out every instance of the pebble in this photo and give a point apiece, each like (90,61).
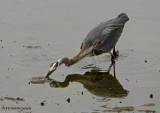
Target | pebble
(151,95)
(42,103)
(68,100)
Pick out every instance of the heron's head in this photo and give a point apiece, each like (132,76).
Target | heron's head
(52,68)
(123,17)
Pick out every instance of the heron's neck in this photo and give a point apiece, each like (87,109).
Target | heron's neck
(67,61)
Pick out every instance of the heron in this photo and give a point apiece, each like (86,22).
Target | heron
(101,39)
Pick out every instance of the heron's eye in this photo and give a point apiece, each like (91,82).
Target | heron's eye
(56,65)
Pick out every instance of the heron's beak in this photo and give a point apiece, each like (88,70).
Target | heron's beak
(49,73)
(53,67)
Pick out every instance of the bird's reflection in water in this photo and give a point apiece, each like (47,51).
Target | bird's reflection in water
(97,82)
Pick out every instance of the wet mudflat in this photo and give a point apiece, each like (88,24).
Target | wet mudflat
(33,34)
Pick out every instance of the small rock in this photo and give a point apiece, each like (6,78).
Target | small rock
(151,95)
(42,103)
(145,61)
(68,100)
(120,101)
(2,47)
(1,40)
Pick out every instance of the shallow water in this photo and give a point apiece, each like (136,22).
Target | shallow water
(33,34)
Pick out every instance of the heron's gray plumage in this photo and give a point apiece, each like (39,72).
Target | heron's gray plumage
(106,34)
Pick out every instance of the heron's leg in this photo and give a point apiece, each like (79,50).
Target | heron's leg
(112,65)
(115,53)
(113,62)
(109,69)
(112,54)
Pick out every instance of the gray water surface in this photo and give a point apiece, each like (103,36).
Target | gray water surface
(35,33)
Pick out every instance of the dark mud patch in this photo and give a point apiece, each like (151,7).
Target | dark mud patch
(32,47)
(118,109)
(121,109)
(11,99)
(39,80)
(147,111)
(148,105)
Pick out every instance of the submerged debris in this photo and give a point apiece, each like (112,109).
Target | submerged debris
(19,99)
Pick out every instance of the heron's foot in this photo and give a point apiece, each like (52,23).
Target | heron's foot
(115,54)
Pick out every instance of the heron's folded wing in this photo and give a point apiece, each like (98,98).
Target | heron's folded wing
(107,32)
